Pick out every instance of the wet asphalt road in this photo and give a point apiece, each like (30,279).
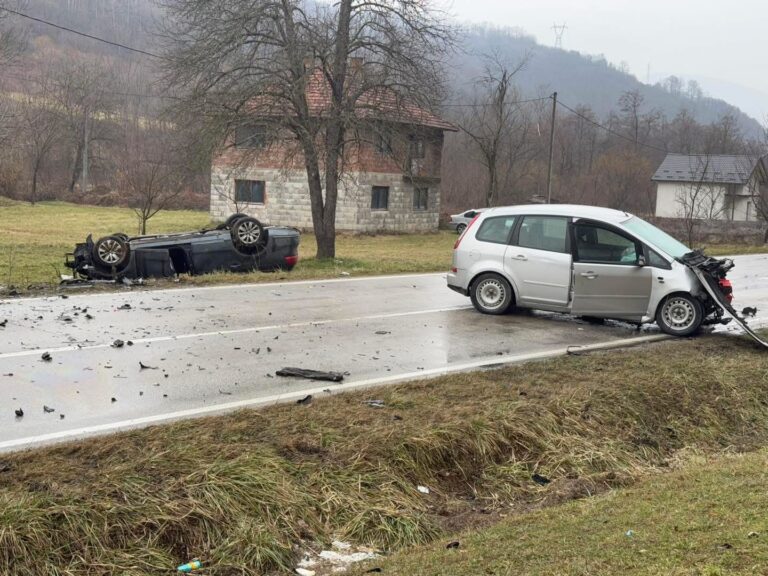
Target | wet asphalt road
(211,349)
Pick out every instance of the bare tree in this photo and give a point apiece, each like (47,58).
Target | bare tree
(493,118)
(700,199)
(40,130)
(241,60)
(151,172)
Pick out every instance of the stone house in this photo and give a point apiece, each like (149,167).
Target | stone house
(391,176)
(710,187)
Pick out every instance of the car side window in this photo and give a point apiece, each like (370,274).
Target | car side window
(470,214)
(600,245)
(544,233)
(496,230)
(657,261)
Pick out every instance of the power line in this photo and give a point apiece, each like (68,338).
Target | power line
(117,44)
(609,130)
(479,105)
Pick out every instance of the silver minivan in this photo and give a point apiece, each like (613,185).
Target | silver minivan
(582,260)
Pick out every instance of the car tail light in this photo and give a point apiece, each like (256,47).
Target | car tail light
(291,260)
(727,288)
(458,240)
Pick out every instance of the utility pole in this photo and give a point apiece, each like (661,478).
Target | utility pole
(559,31)
(551,148)
(84,185)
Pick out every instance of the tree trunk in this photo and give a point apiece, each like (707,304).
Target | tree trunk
(765,237)
(76,168)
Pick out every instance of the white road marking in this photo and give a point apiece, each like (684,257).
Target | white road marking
(304,324)
(148,289)
(290,396)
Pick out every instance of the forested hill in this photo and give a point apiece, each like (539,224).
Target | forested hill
(580,79)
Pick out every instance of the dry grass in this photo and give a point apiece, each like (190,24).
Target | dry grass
(242,490)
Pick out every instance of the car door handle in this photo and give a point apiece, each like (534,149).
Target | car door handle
(520,257)
(588,275)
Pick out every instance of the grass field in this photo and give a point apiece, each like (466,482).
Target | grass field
(709,518)
(246,491)
(34,239)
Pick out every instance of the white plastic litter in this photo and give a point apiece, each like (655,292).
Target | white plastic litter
(422,489)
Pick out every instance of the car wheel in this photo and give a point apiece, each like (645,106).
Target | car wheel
(491,294)
(680,315)
(231,220)
(460,228)
(247,233)
(122,235)
(111,252)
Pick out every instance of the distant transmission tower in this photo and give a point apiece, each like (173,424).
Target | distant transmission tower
(559,31)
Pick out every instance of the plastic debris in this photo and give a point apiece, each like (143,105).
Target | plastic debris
(310,374)
(46,356)
(47,409)
(4,323)
(374,403)
(629,533)
(452,545)
(304,572)
(19,412)
(125,306)
(118,343)
(143,366)
(753,534)
(422,489)
(190,566)
(306,400)
(540,480)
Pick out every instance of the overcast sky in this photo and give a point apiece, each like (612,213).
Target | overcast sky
(722,44)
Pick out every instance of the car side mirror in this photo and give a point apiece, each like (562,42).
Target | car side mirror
(641,260)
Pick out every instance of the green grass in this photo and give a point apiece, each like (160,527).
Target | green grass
(243,490)
(694,521)
(735,249)
(34,240)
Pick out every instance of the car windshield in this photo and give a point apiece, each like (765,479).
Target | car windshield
(659,238)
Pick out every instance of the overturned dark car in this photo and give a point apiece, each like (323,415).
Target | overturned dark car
(241,244)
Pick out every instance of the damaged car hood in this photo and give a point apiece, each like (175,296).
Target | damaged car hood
(710,271)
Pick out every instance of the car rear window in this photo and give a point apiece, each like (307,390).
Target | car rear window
(496,230)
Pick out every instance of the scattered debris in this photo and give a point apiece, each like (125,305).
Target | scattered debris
(225,393)
(306,400)
(46,356)
(344,274)
(88,317)
(422,489)
(383,332)
(749,311)
(190,566)
(143,366)
(125,306)
(540,480)
(113,399)
(339,559)
(753,535)
(118,343)
(48,409)
(304,572)
(61,416)
(374,403)
(373,570)
(19,413)
(310,374)
(5,467)
(4,323)
(452,545)
(629,533)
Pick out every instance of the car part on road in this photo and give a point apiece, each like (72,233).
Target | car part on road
(241,244)
(311,374)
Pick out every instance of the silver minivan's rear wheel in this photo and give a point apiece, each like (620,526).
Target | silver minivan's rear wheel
(680,315)
(491,294)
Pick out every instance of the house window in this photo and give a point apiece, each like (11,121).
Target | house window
(417,148)
(249,191)
(420,198)
(380,198)
(251,136)
(383,142)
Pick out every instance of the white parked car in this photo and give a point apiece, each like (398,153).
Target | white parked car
(459,222)
(590,262)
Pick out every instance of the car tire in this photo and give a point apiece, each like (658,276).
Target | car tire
(460,228)
(247,234)
(491,294)
(680,315)
(111,252)
(227,224)
(121,235)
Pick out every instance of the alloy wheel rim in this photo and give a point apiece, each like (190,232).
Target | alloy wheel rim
(110,251)
(248,233)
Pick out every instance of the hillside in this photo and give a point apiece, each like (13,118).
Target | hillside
(580,79)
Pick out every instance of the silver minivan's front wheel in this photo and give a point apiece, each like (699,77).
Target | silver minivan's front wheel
(680,315)
(491,294)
